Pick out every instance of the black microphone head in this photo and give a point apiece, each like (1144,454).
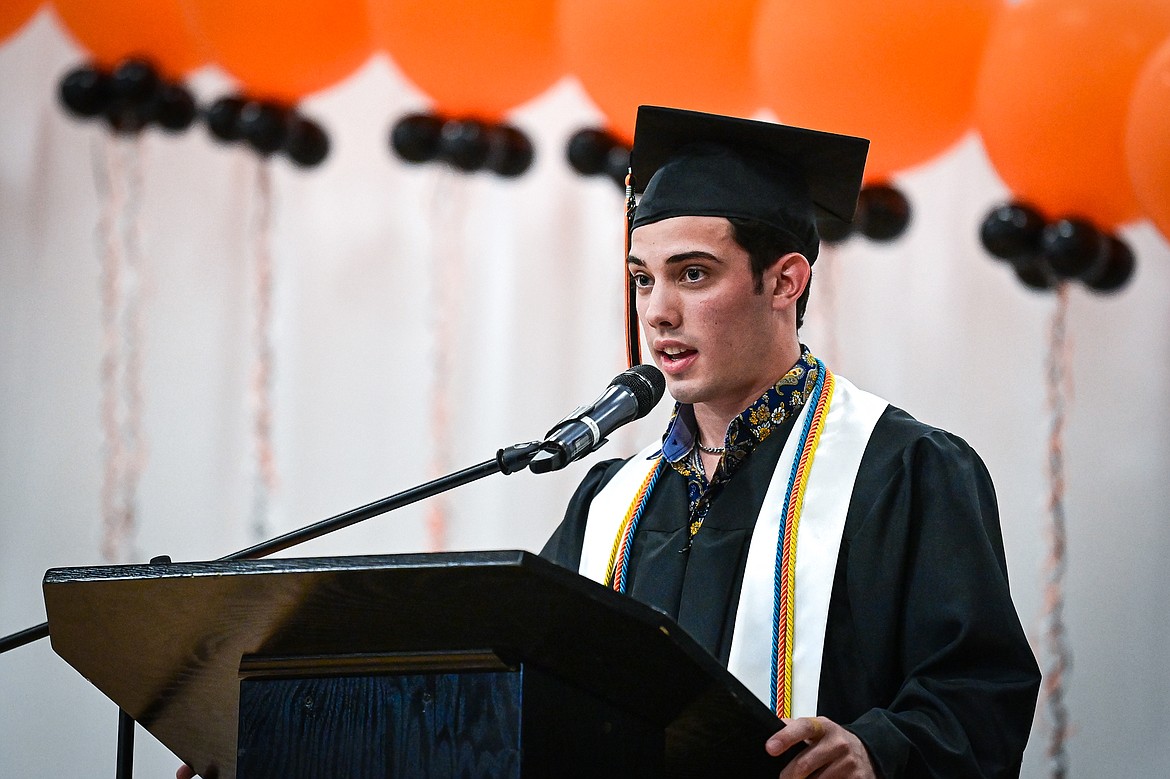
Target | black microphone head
(646,382)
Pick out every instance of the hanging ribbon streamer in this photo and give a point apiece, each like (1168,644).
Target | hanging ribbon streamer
(266,476)
(119,176)
(111,194)
(446,297)
(826,302)
(135,296)
(1058,652)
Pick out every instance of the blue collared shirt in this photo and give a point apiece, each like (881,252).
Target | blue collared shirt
(781,401)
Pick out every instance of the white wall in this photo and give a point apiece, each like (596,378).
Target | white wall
(929,322)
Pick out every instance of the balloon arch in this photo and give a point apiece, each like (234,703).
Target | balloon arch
(1076,139)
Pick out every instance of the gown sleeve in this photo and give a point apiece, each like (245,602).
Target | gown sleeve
(935,632)
(564,546)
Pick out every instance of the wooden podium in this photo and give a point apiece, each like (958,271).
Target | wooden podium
(485,664)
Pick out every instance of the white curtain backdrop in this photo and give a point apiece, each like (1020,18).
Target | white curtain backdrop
(534,271)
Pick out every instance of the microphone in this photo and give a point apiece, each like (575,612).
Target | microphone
(629,396)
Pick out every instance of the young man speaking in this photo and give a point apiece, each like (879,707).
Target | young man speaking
(841,558)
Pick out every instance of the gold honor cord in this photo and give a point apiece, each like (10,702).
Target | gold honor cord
(785,599)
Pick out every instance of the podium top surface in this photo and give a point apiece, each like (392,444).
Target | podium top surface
(167,642)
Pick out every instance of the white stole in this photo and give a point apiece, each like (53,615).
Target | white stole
(853,413)
(608,511)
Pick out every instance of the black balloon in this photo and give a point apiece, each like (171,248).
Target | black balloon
(588,151)
(464,144)
(1035,273)
(223,118)
(510,153)
(415,138)
(1012,232)
(1074,248)
(883,213)
(135,81)
(307,144)
(833,230)
(174,108)
(85,91)
(617,164)
(263,125)
(1118,267)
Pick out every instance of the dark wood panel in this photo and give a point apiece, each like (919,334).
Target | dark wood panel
(498,725)
(446,725)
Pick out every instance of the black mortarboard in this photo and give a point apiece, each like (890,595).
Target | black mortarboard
(688,163)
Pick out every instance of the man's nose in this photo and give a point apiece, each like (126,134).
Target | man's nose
(661,308)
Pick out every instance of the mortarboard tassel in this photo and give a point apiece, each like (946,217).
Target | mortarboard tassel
(633,343)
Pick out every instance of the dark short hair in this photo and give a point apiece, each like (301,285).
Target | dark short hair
(765,245)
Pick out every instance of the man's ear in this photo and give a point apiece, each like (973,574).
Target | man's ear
(786,280)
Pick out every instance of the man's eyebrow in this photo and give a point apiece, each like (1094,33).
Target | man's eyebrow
(697,254)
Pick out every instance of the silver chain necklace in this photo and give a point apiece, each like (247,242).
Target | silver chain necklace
(710,449)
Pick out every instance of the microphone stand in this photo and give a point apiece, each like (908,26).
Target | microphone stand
(507,461)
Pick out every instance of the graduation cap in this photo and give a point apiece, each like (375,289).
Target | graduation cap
(687,163)
(694,164)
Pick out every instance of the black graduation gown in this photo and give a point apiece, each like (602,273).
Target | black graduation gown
(924,657)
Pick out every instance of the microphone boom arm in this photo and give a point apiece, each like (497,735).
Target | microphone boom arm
(507,461)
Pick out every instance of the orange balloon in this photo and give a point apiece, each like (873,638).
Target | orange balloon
(899,72)
(1147,139)
(679,53)
(113,30)
(1052,99)
(475,58)
(284,49)
(13,15)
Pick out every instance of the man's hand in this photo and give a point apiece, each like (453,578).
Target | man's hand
(185,772)
(833,752)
